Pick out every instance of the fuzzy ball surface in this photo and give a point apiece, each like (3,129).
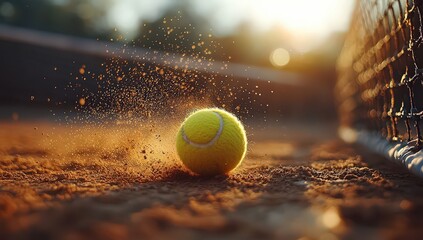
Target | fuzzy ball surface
(211,141)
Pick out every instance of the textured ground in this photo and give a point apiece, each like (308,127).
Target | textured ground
(119,182)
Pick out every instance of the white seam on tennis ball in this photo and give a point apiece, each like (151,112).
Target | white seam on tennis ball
(209,144)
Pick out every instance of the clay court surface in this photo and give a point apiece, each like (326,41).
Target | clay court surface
(120,181)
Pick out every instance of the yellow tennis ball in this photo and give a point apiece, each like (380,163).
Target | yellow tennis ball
(211,141)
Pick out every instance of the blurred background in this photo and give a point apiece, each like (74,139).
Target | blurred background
(267,59)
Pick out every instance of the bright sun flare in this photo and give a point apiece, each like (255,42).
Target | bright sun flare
(309,21)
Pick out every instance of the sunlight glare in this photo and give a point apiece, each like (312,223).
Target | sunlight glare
(309,22)
(306,24)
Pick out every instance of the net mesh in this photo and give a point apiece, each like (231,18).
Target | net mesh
(380,84)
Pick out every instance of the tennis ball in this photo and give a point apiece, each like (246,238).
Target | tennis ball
(211,141)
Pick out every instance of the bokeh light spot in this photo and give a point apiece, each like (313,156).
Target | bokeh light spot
(279,57)
(82,101)
(331,218)
(7,10)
